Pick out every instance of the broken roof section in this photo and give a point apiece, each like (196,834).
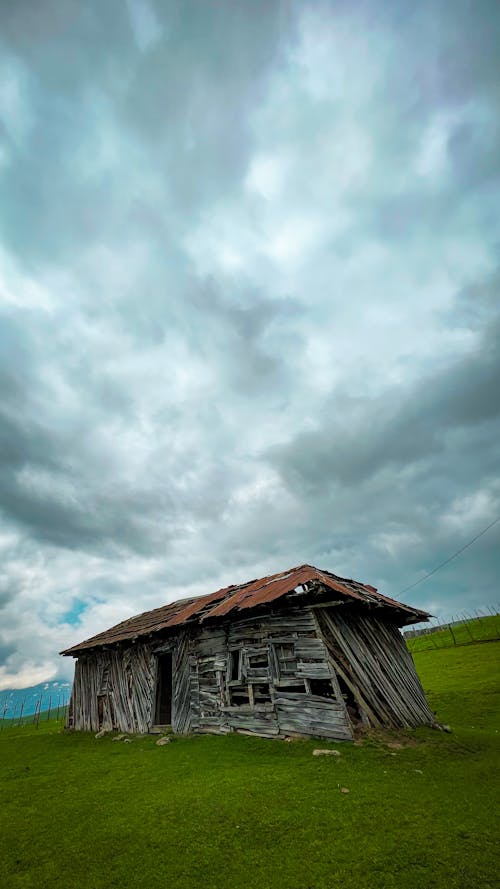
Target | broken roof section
(241,597)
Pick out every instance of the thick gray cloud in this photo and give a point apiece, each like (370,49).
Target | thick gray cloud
(448,412)
(250,306)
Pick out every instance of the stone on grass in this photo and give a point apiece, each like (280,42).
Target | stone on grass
(441,727)
(319,752)
(162,741)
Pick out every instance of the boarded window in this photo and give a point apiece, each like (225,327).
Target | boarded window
(258,661)
(210,685)
(286,658)
(248,676)
(239,696)
(261,694)
(256,665)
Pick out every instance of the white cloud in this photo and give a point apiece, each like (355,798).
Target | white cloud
(432,157)
(26,675)
(145,25)
(266,175)
(16,111)
(472,512)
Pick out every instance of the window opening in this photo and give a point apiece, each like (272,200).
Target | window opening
(257,662)
(248,676)
(261,694)
(322,687)
(256,666)
(298,688)
(234,665)
(239,696)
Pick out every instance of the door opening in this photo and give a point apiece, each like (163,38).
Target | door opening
(352,706)
(105,713)
(163,715)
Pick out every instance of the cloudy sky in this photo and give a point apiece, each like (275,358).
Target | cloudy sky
(250,309)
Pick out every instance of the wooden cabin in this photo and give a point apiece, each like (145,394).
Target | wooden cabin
(303,652)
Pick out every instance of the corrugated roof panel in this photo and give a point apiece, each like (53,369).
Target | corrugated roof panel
(240,598)
(196,607)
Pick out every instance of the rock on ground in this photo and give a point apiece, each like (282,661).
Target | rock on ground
(319,752)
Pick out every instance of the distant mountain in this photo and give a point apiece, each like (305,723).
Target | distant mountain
(54,693)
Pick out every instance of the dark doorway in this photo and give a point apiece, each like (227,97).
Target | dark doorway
(105,712)
(163,714)
(351,703)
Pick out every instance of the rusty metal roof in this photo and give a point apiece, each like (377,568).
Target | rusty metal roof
(241,597)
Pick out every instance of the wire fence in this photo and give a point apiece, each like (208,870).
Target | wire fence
(461,629)
(20,711)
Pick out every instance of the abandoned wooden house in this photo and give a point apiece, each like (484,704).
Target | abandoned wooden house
(303,652)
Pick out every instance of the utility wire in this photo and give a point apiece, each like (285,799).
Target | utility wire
(450,559)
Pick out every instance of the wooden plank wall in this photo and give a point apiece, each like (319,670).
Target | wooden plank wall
(181,676)
(114,689)
(271,675)
(265,698)
(371,656)
(278,658)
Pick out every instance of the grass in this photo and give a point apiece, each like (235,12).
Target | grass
(30,718)
(237,811)
(481,629)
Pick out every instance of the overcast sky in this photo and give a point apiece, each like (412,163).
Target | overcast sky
(250,310)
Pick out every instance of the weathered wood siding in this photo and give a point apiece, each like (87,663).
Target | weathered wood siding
(114,689)
(255,675)
(371,657)
(275,658)
(272,675)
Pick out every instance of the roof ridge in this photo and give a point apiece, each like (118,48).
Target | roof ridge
(241,597)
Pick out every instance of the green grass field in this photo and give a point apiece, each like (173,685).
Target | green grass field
(482,629)
(226,812)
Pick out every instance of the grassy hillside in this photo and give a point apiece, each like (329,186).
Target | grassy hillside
(237,811)
(482,629)
(30,718)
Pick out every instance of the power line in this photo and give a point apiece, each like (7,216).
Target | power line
(450,559)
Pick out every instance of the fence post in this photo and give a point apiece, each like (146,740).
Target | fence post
(494,614)
(467,619)
(38,708)
(452,633)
